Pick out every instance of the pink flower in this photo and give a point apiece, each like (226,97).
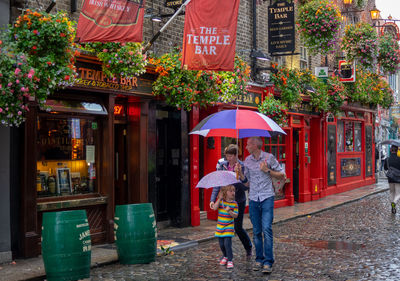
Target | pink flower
(17,70)
(19,112)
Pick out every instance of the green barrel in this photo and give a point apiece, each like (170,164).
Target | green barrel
(66,245)
(135,233)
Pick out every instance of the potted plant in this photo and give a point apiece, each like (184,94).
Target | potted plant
(287,82)
(389,54)
(318,23)
(360,44)
(119,59)
(274,109)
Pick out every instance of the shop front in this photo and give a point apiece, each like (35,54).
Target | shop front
(85,149)
(321,154)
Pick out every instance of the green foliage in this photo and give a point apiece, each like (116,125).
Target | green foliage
(184,88)
(287,82)
(319,23)
(119,59)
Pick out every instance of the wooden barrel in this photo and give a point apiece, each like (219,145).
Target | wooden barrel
(135,233)
(66,245)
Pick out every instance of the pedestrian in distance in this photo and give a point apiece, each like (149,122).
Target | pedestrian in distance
(228,164)
(383,157)
(260,166)
(227,211)
(394,184)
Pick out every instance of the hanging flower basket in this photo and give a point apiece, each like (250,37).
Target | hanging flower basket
(389,54)
(318,23)
(315,89)
(370,89)
(47,41)
(274,109)
(16,86)
(337,94)
(360,44)
(287,82)
(119,59)
(185,88)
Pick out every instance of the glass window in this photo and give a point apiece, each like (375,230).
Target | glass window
(276,146)
(357,136)
(66,160)
(340,139)
(349,136)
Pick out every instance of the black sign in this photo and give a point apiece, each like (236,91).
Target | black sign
(174,4)
(281,37)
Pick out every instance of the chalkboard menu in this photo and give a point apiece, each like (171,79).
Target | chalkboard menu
(281,28)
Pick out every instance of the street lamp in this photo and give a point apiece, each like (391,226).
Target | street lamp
(375,13)
(347,2)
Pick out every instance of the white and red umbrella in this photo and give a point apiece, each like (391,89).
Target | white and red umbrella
(217,178)
(237,123)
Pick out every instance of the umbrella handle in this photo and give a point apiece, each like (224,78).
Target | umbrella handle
(237,174)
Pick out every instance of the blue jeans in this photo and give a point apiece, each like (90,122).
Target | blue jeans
(225,243)
(261,216)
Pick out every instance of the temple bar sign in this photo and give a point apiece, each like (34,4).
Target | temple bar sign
(281,27)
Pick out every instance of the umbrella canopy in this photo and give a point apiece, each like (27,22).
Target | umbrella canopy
(237,123)
(391,142)
(217,178)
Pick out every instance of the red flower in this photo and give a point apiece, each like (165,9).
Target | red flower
(62,34)
(34,48)
(35,32)
(66,77)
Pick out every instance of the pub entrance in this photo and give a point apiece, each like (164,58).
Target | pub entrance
(168,165)
(120,156)
(296,164)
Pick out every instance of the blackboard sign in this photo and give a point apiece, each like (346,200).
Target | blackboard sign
(281,28)
(174,4)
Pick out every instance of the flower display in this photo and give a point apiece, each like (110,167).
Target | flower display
(336,93)
(274,109)
(287,82)
(313,88)
(47,41)
(370,89)
(389,54)
(184,88)
(16,86)
(119,59)
(360,44)
(318,23)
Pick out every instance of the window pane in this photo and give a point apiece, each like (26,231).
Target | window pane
(274,151)
(349,136)
(357,137)
(340,141)
(282,152)
(66,160)
(274,140)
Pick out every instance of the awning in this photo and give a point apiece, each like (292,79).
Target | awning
(74,106)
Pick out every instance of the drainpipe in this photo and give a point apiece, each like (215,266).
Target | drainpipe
(254,60)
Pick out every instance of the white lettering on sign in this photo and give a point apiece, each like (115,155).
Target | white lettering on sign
(84,234)
(206,43)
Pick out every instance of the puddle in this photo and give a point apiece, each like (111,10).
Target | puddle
(326,244)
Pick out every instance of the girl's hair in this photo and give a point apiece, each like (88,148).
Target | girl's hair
(225,189)
(231,149)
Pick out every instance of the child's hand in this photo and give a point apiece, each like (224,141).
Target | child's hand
(227,208)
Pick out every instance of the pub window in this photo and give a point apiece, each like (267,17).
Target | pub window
(276,146)
(349,136)
(340,138)
(67,155)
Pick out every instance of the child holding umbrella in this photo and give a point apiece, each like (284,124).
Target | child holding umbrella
(227,211)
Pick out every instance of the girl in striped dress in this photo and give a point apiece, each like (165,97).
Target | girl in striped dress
(227,211)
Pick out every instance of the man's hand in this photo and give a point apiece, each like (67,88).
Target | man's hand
(264,167)
(211,205)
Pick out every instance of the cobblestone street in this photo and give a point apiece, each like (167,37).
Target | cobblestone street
(357,241)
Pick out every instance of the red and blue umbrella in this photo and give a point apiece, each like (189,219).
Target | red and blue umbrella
(237,123)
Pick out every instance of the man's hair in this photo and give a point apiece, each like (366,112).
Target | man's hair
(231,149)
(258,141)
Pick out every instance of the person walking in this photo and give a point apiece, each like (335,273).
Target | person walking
(394,185)
(260,166)
(227,211)
(228,163)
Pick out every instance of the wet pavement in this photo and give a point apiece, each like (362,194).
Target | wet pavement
(356,241)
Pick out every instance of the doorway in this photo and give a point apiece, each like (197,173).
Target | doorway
(120,178)
(168,166)
(296,164)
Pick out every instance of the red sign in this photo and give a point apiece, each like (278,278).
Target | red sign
(111,21)
(118,110)
(210,35)
(391,28)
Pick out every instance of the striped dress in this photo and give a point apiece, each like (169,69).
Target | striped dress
(225,226)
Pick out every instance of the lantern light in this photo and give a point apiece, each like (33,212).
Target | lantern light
(375,13)
(347,2)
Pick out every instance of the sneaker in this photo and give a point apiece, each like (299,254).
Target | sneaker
(394,208)
(229,265)
(267,268)
(257,266)
(223,261)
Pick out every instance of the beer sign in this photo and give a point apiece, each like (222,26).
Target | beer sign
(281,38)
